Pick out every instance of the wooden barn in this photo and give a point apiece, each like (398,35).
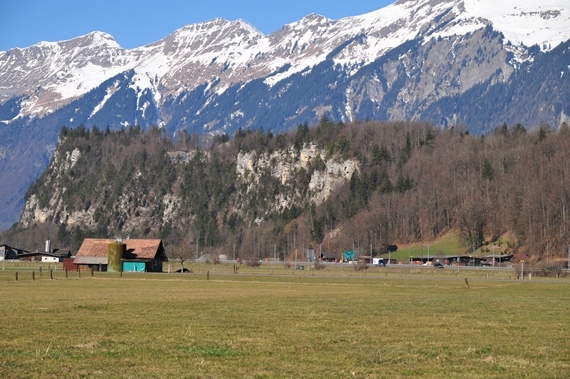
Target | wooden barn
(130,255)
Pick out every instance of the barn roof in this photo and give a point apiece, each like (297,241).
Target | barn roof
(95,250)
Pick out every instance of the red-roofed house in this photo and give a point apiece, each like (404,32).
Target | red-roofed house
(140,255)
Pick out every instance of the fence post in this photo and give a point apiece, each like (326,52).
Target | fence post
(51,274)
(33,275)
(66,273)
(16,275)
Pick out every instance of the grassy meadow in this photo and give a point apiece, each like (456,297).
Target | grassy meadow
(450,243)
(272,322)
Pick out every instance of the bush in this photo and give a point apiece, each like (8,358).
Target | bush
(542,269)
(252,263)
(319,266)
(549,269)
(360,266)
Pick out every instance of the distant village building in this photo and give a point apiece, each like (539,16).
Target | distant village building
(49,255)
(131,255)
(54,256)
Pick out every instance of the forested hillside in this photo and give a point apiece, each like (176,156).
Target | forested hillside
(339,186)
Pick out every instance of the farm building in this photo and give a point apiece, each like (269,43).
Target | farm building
(131,255)
(9,252)
(49,255)
(54,256)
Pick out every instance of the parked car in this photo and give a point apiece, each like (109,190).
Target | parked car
(437,265)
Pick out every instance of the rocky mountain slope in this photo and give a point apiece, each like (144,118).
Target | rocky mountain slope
(449,61)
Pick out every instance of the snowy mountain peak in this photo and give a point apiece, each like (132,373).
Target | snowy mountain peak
(95,39)
(209,35)
(102,39)
(247,26)
(215,26)
(311,21)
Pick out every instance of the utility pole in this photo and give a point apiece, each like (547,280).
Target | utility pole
(568,258)
(410,256)
(295,258)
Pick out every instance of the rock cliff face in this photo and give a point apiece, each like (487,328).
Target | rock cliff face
(60,168)
(286,165)
(281,179)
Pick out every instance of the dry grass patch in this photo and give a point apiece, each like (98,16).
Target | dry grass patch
(275,326)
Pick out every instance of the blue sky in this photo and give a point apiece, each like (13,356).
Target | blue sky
(135,23)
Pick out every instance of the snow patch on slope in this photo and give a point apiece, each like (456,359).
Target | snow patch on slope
(110,92)
(545,23)
(86,78)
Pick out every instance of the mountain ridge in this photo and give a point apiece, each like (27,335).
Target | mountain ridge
(302,44)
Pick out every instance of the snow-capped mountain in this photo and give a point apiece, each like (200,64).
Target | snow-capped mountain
(223,53)
(475,62)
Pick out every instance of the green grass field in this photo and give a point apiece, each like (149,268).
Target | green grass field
(448,244)
(272,322)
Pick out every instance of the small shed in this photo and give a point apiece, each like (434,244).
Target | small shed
(329,257)
(140,255)
(69,265)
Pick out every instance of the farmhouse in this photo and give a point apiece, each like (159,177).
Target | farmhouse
(53,256)
(131,255)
